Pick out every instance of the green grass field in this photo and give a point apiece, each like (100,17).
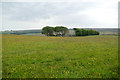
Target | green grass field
(59,57)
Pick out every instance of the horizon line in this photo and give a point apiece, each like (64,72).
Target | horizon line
(41,29)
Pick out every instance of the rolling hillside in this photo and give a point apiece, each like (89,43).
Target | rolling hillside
(103,31)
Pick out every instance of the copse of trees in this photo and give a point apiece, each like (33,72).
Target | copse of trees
(83,32)
(55,31)
(48,31)
(60,30)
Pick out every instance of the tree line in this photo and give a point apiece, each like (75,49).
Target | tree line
(62,31)
(55,31)
(83,32)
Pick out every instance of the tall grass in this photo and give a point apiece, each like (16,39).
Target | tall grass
(59,57)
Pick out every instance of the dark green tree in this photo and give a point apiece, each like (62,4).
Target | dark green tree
(57,31)
(61,31)
(83,32)
(48,31)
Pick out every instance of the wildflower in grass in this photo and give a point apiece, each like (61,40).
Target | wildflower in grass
(14,68)
(89,63)
(91,73)
(25,73)
(35,76)
(81,67)
(99,75)
(66,72)
(12,71)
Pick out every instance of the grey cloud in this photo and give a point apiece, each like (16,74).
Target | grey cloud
(25,15)
(76,20)
(42,10)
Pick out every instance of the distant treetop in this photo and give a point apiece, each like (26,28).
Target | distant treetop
(55,31)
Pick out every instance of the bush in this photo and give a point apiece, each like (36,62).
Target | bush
(83,32)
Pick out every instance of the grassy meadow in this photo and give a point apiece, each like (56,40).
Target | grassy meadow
(59,57)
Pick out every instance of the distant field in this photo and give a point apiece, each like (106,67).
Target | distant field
(35,34)
(59,57)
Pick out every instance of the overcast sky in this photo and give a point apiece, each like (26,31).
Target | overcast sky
(36,14)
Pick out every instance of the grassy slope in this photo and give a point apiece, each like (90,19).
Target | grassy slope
(61,57)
